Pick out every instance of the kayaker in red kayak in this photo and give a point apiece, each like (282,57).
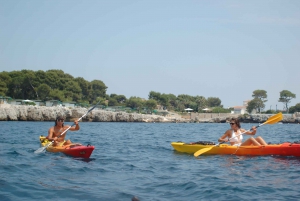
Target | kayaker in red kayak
(57,129)
(234,136)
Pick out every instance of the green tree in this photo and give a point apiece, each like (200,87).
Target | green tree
(15,86)
(43,90)
(185,100)
(261,95)
(3,88)
(213,102)
(5,80)
(113,95)
(85,87)
(164,100)
(57,95)
(286,97)
(172,101)
(72,91)
(151,105)
(193,105)
(201,103)
(250,106)
(98,89)
(52,79)
(28,84)
(154,95)
(295,108)
(23,84)
(179,106)
(135,102)
(40,77)
(4,76)
(121,99)
(112,102)
(255,104)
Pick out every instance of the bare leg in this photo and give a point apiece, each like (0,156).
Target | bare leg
(250,141)
(261,140)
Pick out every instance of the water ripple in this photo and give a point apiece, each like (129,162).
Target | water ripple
(136,159)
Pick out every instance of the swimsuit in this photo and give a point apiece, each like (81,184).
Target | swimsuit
(236,139)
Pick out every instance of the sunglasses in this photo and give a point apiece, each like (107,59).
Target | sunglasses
(231,123)
(61,120)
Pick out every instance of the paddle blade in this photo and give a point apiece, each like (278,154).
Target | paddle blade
(40,150)
(201,151)
(274,119)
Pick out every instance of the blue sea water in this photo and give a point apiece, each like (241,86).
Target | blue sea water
(136,159)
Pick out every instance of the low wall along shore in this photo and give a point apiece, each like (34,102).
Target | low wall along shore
(42,113)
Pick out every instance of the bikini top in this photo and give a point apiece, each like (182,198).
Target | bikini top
(235,138)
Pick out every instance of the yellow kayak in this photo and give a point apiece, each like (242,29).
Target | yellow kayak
(284,149)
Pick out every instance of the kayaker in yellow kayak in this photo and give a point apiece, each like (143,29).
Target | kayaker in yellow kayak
(234,136)
(57,129)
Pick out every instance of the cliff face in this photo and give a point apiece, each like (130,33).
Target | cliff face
(42,113)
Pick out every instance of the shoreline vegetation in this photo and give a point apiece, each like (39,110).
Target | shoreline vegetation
(41,113)
(56,85)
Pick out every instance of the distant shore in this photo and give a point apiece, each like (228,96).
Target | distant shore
(42,113)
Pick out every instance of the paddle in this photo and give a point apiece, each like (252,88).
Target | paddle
(272,120)
(40,150)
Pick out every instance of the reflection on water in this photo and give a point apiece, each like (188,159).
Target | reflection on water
(287,160)
(87,160)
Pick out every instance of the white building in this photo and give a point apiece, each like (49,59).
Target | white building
(241,109)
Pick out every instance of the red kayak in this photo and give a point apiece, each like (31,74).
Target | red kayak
(75,149)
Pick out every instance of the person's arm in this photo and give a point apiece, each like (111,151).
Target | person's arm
(76,128)
(50,135)
(251,132)
(224,137)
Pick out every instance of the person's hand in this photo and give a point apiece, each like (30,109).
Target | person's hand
(76,122)
(55,139)
(224,140)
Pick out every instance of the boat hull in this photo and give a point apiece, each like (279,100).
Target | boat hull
(284,149)
(74,149)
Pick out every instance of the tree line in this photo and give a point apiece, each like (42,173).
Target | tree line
(50,85)
(260,97)
(58,85)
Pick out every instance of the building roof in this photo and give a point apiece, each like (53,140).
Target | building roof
(239,107)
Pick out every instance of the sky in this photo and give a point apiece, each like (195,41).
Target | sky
(225,49)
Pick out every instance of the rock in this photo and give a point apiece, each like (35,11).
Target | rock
(42,113)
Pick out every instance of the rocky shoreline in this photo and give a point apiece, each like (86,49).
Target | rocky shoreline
(41,113)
